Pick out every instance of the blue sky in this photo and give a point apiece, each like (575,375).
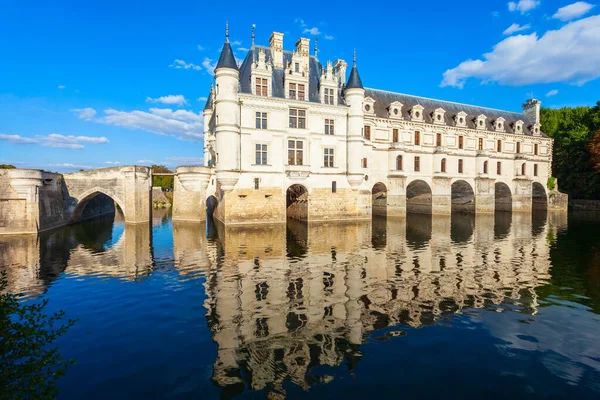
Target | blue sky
(95,84)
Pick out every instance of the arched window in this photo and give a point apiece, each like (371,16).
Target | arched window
(523,169)
(443,169)
(399,163)
(485,167)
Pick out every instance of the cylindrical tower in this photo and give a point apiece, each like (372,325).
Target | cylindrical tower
(354,96)
(227,114)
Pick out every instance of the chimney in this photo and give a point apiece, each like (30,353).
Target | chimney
(303,47)
(531,110)
(339,71)
(276,44)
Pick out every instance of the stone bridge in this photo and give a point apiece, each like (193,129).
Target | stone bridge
(33,200)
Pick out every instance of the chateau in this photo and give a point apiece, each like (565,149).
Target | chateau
(288,136)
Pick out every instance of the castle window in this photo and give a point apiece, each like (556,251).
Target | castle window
(256,183)
(295,152)
(535,149)
(300,92)
(480,144)
(499,147)
(297,67)
(518,147)
(417,164)
(498,168)
(297,118)
(443,166)
(399,163)
(461,142)
(395,135)
(417,138)
(535,170)
(523,169)
(328,158)
(328,97)
(460,166)
(333,186)
(438,140)
(485,167)
(261,154)
(328,126)
(261,120)
(364,163)
(367,132)
(292,91)
(261,87)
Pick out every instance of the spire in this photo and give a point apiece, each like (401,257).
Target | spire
(253,27)
(354,81)
(210,98)
(227,59)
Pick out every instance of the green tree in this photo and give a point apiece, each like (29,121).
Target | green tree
(162,181)
(30,365)
(7,166)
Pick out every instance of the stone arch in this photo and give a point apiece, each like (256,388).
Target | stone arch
(418,197)
(84,198)
(211,205)
(297,202)
(502,197)
(539,198)
(379,193)
(462,197)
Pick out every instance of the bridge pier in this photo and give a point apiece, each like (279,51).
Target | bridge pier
(189,193)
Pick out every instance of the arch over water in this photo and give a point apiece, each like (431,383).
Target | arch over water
(539,197)
(95,202)
(379,193)
(462,197)
(418,197)
(502,197)
(211,205)
(297,202)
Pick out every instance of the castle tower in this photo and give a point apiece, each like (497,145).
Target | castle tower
(354,96)
(227,114)
(209,139)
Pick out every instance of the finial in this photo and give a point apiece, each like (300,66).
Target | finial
(316,46)
(354,56)
(253,27)
(227,31)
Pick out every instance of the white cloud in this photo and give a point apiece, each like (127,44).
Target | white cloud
(568,54)
(209,65)
(84,113)
(17,139)
(313,31)
(200,48)
(163,121)
(551,93)
(180,64)
(112,162)
(515,28)
(202,98)
(328,37)
(495,14)
(236,43)
(70,166)
(523,5)
(300,22)
(62,87)
(187,160)
(243,49)
(573,11)
(55,140)
(145,162)
(177,99)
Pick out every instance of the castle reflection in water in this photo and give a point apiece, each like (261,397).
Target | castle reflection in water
(281,300)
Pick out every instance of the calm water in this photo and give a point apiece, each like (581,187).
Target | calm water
(476,307)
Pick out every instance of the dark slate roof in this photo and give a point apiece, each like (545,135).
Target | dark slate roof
(209,100)
(227,59)
(354,81)
(277,84)
(383,99)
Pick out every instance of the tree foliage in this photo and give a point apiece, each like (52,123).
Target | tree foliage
(7,166)
(594,150)
(30,366)
(162,181)
(573,158)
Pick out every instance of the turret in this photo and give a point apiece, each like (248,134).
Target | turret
(208,137)
(227,114)
(354,96)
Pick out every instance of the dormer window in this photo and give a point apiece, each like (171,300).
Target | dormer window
(499,124)
(535,129)
(297,67)
(395,110)
(518,126)
(480,121)
(460,119)
(328,96)
(438,116)
(416,113)
(369,106)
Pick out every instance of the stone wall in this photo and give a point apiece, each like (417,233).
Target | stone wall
(262,205)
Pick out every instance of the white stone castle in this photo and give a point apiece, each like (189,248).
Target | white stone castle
(286,136)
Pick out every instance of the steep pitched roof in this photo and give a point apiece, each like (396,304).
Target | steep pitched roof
(209,100)
(384,98)
(354,81)
(227,59)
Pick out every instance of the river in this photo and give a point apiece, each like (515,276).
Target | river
(487,306)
